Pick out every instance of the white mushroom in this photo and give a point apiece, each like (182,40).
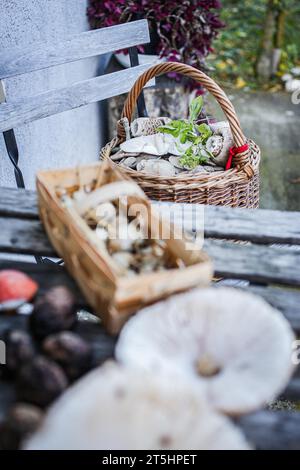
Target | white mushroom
(102,218)
(156,144)
(123,260)
(118,408)
(129,162)
(116,244)
(212,169)
(175,161)
(105,212)
(102,233)
(79,195)
(230,342)
(146,126)
(199,169)
(220,143)
(156,167)
(123,235)
(108,192)
(120,155)
(215,144)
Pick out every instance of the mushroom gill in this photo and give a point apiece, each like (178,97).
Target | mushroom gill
(230,342)
(121,408)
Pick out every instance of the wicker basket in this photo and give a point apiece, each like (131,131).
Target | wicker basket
(113,297)
(236,187)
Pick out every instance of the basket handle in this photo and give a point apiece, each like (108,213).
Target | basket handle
(241,152)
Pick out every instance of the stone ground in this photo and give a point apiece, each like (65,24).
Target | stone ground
(273,122)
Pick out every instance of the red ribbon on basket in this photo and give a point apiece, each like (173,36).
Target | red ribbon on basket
(234,151)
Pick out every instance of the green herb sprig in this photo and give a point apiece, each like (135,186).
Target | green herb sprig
(188,131)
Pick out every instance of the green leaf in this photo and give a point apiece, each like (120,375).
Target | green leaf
(204,129)
(191,136)
(190,161)
(169,130)
(193,157)
(196,106)
(183,137)
(205,132)
(180,123)
(198,140)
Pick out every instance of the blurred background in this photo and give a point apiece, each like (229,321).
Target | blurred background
(257,59)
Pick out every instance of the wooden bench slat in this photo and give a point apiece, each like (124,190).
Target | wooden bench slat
(20,60)
(292,392)
(24,237)
(259,226)
(20,203)
(56,101)
(255,263)
(282,227)
(285,300)
(272,430)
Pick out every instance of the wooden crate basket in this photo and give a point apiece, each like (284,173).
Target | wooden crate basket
(113,297)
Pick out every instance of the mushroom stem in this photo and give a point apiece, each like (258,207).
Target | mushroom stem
(207,367)
(106,193)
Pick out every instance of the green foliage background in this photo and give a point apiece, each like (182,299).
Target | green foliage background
(237,46)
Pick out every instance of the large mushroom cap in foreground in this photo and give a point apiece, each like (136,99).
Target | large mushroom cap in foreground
(119,408)
(230,342)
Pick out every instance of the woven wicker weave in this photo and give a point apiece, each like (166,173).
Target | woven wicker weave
(236,187)
(114,297)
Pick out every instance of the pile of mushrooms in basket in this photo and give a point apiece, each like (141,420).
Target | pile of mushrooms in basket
(177,146)
(183,368)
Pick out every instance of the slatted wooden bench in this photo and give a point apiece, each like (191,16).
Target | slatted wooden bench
(275,268)
(20,61)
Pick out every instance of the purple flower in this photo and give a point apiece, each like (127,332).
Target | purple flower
(183,31)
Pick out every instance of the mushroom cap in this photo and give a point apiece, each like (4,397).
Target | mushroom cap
(156,144)
(120,408)
(220,147)
(156,167)
(108,192)
(230,342)
(146,126)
